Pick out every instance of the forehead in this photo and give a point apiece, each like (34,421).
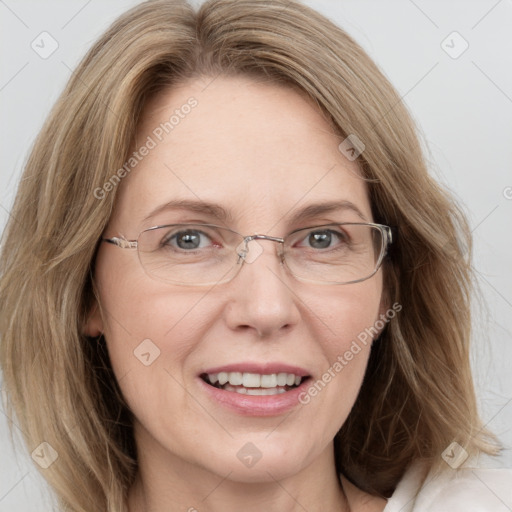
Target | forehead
(260,150)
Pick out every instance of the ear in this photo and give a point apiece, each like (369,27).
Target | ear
(94,323)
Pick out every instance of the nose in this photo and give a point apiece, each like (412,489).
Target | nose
(261,294)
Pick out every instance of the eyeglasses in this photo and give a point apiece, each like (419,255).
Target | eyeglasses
(206,254)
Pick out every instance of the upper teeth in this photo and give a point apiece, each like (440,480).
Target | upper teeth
(255,380)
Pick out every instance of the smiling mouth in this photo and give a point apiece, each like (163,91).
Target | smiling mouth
(254,383)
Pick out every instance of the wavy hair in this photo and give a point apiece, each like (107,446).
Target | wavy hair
(418,393)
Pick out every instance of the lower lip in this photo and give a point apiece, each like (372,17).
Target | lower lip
(256,405)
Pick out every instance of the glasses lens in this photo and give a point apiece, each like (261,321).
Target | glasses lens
(201,254)
(189,254)
(338,253)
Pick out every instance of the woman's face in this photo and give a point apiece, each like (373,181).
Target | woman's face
(263,153)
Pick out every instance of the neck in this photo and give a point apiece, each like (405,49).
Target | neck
(167,483)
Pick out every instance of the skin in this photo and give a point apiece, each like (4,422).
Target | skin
(261,151)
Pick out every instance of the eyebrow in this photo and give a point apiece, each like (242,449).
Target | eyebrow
(215,210)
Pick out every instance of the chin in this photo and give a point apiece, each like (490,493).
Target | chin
(256,459)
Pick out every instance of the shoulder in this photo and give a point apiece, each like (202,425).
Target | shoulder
(455,490)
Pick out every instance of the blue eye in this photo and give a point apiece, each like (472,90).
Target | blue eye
(325,238)
(189,239)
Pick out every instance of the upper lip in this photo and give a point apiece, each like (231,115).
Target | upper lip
(260,368)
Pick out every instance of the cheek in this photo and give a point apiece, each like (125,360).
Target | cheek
(135,306)
(150,338)
(150,328)
(345,321)
(147,327)
(348,313)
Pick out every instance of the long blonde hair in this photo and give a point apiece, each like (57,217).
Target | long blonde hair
(417,396)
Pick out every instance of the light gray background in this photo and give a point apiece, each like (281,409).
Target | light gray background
(463,107)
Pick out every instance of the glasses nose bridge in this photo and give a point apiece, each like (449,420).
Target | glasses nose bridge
(243,253)
(264,237)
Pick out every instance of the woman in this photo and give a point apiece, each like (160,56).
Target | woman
(236,284)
